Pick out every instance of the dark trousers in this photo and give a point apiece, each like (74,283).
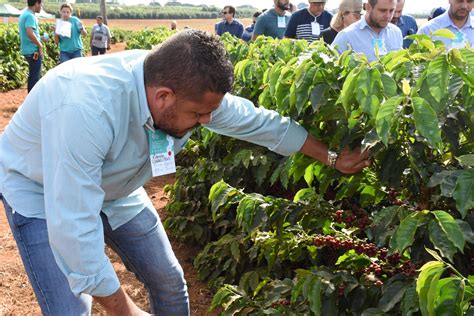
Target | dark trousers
(97,51)
(34,70)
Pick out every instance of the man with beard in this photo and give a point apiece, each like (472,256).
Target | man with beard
(30,41)
(273,22)
(458,20)
(72,168)
(373,35)
(406,23)
(308,23)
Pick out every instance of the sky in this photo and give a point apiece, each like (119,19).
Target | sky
(411,6)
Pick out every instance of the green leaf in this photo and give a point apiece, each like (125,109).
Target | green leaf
(426,286)
(389,86)
(450,296)
(410,301)
(393,295)
(405,234)
(235,250)
(309,174)
(386,117)
(314,298)
(464,191)
(318,96)
(426,122)
(441,241)
(347,94)
(451,228)
(444,33)
(466,160)
(438,77)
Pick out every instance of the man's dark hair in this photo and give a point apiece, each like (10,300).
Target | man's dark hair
(190,63)
(257,14)
(33,2)
(372,3)
(231,9)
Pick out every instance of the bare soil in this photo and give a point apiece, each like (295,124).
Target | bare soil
(16,294)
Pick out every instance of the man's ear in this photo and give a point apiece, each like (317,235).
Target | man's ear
(160,98)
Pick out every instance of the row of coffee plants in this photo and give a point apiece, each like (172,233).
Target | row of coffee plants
(291,236)
(13,66)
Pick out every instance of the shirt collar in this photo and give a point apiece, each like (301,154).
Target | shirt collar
(444,21)
(401,21)
(138,74)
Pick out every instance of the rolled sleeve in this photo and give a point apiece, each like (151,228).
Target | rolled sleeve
(239,118)
(77,143)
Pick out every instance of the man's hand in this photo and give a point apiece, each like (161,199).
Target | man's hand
(120,304)
(349,162)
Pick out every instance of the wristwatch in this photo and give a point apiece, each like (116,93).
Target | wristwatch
(332,158)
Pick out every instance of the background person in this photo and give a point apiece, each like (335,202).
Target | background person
(436,12)
(349,12)
(229,24)
(308,23)
(273,22)
(406,23)
(100,37)
(93,148)
(173,25)
(458,20)
(70,47)
(30,41)
(373,34)
(248,31)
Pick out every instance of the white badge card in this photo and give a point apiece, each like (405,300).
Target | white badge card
(459,41)
(379,45)
(281,22)
(315,28)
(161,153)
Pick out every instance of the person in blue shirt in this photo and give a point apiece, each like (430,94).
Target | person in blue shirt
(70,46)
(248,31)
(30,41)
(406,23)
(72,167)
(457,19)
(273,22)
(436,12)
(373,35)
(229,24)
(308,23)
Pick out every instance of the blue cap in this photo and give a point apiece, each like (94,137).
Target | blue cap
(436,12)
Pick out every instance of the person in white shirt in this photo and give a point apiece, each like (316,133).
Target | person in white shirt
(100,37)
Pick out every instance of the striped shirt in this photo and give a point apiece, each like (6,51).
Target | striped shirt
(300,25)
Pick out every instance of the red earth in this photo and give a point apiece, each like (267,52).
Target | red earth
(16,294)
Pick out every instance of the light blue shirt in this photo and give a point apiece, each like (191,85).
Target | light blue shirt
(28,19)
(78,145)
(444,22)
(362,39)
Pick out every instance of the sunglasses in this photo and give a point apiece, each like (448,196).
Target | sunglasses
(225,12)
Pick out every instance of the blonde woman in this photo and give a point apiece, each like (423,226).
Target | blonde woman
(348,13)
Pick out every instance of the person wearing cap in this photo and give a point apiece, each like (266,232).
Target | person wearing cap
(349,12)
(406,23)
(273,22)
(229,24)
(436,12)
(458,20)
(372,35)
(308,23)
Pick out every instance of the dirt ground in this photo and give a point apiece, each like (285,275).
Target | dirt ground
(16,294)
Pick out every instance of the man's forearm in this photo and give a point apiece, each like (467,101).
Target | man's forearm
(119,303)
(315,149)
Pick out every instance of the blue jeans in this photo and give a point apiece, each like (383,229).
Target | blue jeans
(65,56)
(142,245)
(34,70)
